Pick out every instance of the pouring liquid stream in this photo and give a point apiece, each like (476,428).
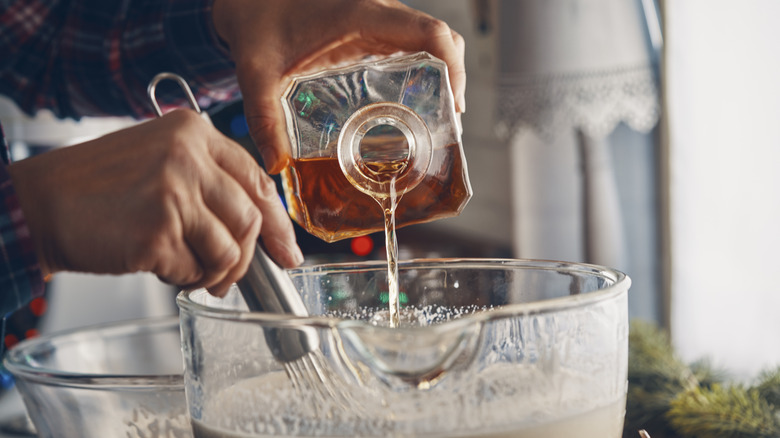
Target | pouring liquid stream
(309,374)
(388,202)
(389,205)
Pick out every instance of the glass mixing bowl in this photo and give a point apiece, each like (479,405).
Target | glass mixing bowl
(498,348)
(119,379)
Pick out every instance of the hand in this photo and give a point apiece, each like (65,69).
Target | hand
(171,196)
(270,40)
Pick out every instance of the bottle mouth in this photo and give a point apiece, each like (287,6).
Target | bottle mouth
(384,147)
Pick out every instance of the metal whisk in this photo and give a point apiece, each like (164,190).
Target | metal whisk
(268,288)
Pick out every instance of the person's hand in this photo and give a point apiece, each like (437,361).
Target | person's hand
(270,40)
(171,196)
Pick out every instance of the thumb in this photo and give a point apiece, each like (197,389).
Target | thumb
(262,94)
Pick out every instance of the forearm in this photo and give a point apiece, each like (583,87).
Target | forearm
(96,57)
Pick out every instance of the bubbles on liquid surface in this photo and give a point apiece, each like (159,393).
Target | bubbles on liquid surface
(410,316)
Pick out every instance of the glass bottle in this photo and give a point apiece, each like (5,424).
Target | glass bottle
(368,131)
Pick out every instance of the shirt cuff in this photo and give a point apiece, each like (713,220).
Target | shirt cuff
(20,273)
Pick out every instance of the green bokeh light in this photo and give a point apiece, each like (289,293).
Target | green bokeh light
(384,297)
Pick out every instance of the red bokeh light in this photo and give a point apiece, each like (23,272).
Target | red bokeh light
(11,340)
(362,246)
(38,306)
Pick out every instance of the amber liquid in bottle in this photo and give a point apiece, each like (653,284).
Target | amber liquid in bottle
(332,209)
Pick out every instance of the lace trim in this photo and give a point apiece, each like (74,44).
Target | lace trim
(593,102)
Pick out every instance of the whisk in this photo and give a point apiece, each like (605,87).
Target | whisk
(267,288)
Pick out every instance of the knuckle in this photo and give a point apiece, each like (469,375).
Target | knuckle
(253,174)
(266,186)
(186,116)
(179,149)
(434,27)
(213,267)
(193,278)
(189,131)
(225,256)
(253,223)
(457,38)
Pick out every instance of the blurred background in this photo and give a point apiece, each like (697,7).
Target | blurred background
(637,134)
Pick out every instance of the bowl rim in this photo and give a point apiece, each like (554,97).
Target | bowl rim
(16,359)
(621,284)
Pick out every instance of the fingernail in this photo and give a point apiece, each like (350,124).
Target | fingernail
(218,291)
(296,254)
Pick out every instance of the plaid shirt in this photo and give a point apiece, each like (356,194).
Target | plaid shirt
(88,58)
(20,276)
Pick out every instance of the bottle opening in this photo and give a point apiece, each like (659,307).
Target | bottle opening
(383,142)
(384,152)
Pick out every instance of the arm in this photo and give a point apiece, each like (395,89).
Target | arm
(176,198)
(171,196)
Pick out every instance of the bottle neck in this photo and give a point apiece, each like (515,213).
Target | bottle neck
(384,147)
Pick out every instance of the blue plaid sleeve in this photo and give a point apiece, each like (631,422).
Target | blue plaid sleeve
(20,275)
(96,57)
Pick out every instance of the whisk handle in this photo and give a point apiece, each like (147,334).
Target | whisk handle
(268,288)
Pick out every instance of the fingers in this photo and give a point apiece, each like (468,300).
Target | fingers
(266,125)
(230,201)
(411,30)
(265,118)
(277,230)
(457,73)
(214,247)
(227,201)
(324,38)
(244,198)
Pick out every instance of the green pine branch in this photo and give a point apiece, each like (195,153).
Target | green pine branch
(656,375)
(671,399)
(723,412)
(769,387)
